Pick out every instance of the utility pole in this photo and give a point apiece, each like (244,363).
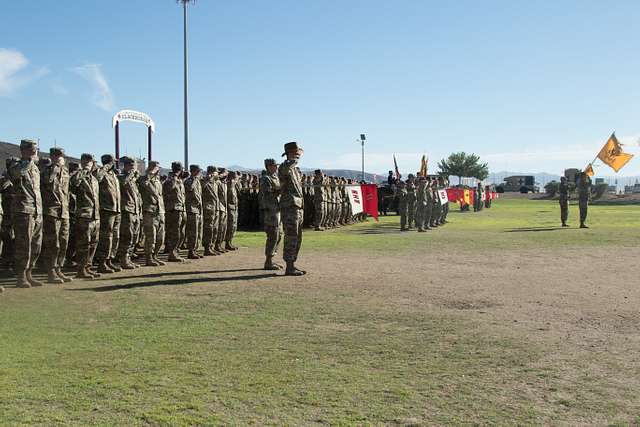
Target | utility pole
(362,139)
(186,83)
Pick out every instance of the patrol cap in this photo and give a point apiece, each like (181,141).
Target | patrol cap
(232,174)
(28,143)
(87,157)
(222,171)
(176,166)
(126,160)
(56,151)
(153,164)
(212,169)
(194,168)
(270,162)
(318,171)
(106,158)
(73,166)
(291,147)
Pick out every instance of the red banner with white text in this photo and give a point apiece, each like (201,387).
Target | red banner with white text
(370,199)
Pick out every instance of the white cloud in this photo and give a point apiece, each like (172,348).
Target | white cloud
(59,89)
(102,96)
(13,65)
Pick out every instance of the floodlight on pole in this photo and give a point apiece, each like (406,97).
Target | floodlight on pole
(362,139)
(186,82)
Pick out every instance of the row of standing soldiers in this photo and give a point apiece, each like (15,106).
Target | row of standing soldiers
(419,203)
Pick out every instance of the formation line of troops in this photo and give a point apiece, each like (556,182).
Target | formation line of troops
(419,203)
(93,218)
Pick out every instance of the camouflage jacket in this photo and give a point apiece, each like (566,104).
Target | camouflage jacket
(564,191)
(130,195)
(193,195)
(290,185)
(55,191)
(109,190)
(25,178)
(151,192)
(232,195)
(270,192)
(173,193)
(210,199)
(222,195)
(87,190)
(318,190)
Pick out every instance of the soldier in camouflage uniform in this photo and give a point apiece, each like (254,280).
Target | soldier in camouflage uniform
(428,210)
(564,201)
(232,212)
(153,214)
(437,206)
(110,215)
(584,192)
(422,204)
(270,204)
(193,196)
(26,210)
(71,247)
(291,206)
(403,205)
(175,212)
(411,201)
(222,210)
(55,209)
(130,208)
(210,202)
(319,195)
(87,190)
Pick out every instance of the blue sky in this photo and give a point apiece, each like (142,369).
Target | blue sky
(530,86)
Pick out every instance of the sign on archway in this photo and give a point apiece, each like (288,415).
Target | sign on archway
(133,116)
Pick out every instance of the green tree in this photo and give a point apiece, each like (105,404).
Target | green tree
(463,164)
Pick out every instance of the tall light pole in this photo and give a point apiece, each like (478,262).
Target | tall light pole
(186,84)
(362,139)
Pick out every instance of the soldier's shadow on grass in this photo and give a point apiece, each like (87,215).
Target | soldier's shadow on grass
(534,229)
(177,273)
(377,229)
(174,282)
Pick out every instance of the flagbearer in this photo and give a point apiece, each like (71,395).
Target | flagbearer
(584,191)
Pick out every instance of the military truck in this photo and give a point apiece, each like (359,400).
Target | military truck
(518,183)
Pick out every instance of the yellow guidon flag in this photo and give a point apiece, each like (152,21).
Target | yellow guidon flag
(612,154)
(589,170)
(423,165)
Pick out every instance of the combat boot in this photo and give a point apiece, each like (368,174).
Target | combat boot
(93,273)
(126,263)
(52,277)
(292,270)
(160,263)
(208,252)
(270,265)
(31,280)
(230,247)
(218,249)
(174,257)
(64,277)
(21,281)
(104,268)
(151,262)
(115,268)
(193,255)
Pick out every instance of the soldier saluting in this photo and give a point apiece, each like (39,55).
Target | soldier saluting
(27,213)
(291,206)
(270,204)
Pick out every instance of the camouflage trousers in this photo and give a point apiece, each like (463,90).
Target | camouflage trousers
(153,227)
(87,232)
(272,228)
(27,230)
(109,235)
(437,211)
(222,227)
(411,212)
(445,211)
(318,214)
(210,223)
(232,225)
(129,231)
(194,230)
(564,210)
(403,211)
(583,205)
(292,222)
(6,232)
(71,247)
(175,230)
(55,240)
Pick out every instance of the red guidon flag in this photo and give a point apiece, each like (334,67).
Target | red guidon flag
(370,199)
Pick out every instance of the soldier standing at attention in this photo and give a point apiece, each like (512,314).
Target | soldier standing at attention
(318,199)
(175,213)
(563,189)
(55,210)
(270,197)
(109,215)
(222,210)
(210,208)
(291,206)
(584,192)
(232,211)
(86,188)
(131,208)
(193,197)
(153,214)
(27,213)
(421,204)
(403,204)
(411,201)
(71,247)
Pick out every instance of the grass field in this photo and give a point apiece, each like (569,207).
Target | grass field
(498,318)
